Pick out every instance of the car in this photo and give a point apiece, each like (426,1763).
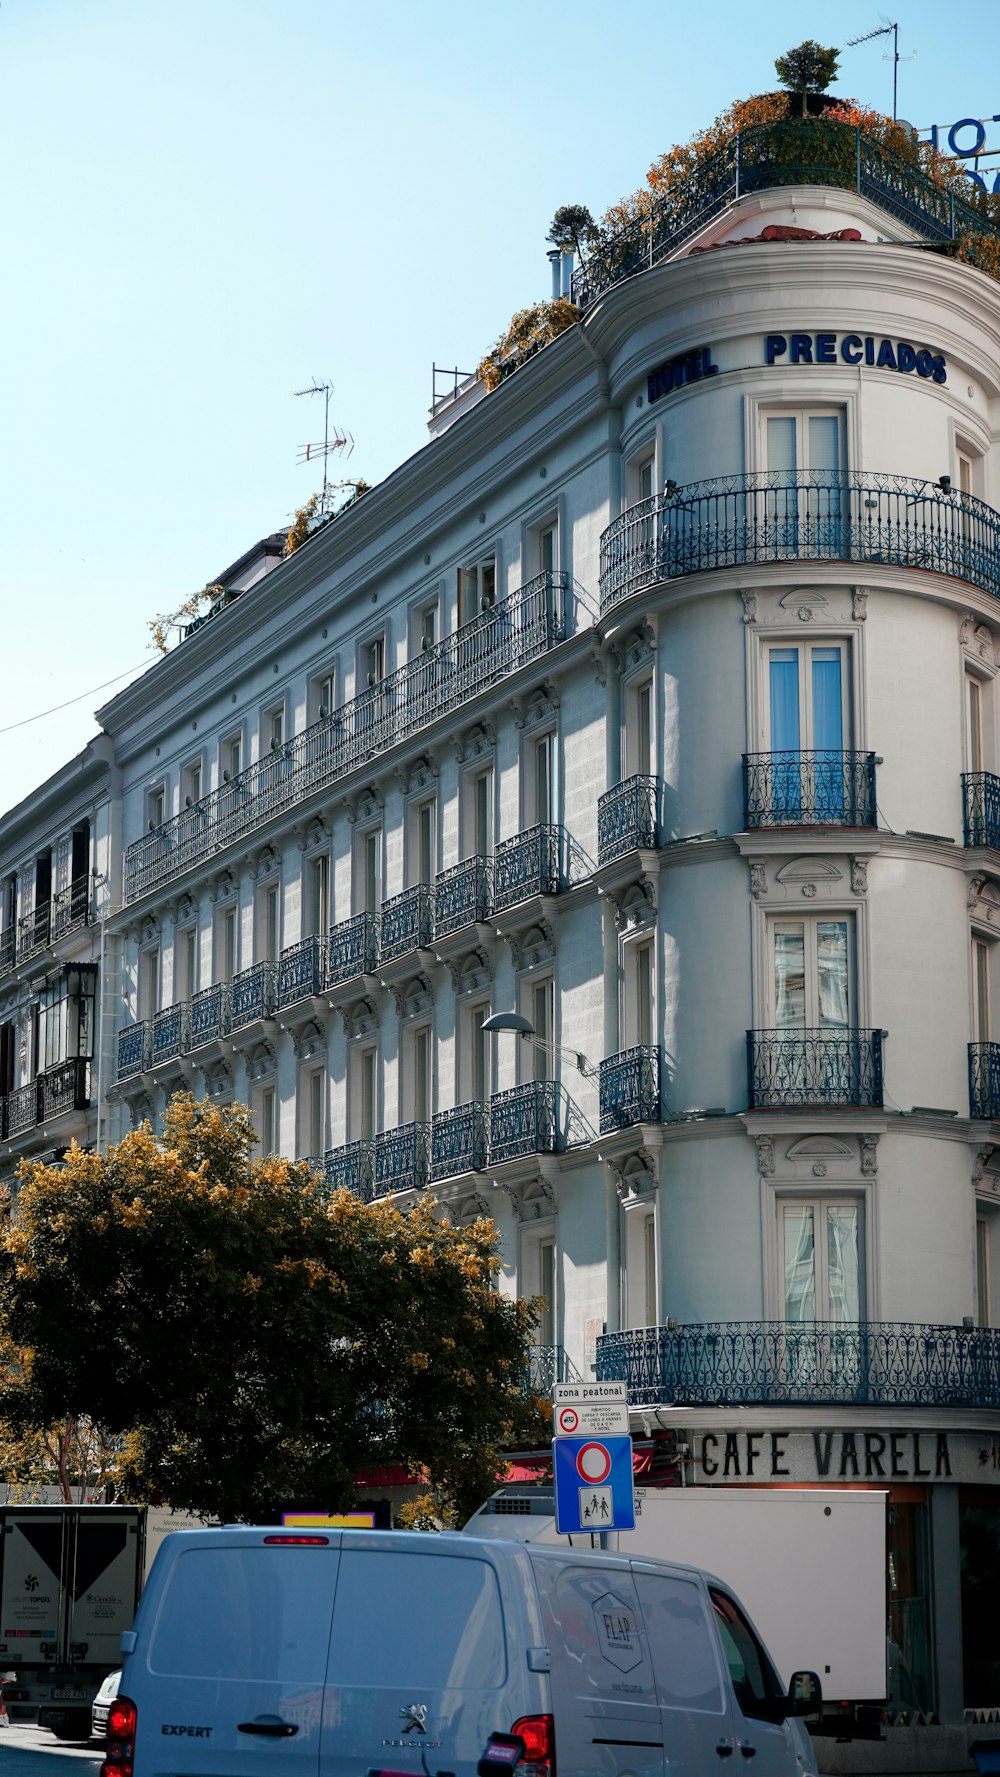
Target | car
(102,1703)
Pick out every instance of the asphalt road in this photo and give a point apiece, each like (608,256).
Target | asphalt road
(35,1752)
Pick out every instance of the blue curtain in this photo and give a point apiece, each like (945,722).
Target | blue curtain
(785,734)
(828,719)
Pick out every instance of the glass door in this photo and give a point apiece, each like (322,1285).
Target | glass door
(822,1260)
(808,732)
(804,496)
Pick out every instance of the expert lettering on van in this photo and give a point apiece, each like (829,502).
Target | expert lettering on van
(354,1651)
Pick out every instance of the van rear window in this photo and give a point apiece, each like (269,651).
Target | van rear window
(246,1613)
(421,1622)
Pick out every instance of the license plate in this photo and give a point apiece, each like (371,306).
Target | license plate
(67,1693)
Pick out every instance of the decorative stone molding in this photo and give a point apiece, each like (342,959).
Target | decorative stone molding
(541,706)
(758,878)
(360,1019)
(223,887)
(149,929)
(185,910)
(537,945)
(859,604)
(413,997)
(984,903)
(977,639)
(265,862)
(219,1080)
(419,776)
(309,1041)
(974,889)
(809,870)
(869,1156)
(859,876)
(635,1176)
(636,907)
(262,1063)
(808,1146)
(471,972)
(820,1169)
(640,647)
(805,602)
(367,805)
(765,1155)
(599,658)
(314,834)
(476,743)
(749,598)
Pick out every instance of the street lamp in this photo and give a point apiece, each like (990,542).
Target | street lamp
(518,1026)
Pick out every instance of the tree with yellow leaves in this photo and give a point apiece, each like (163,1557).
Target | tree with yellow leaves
(251,1336)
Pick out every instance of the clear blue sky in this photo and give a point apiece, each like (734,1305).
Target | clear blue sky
(205,202)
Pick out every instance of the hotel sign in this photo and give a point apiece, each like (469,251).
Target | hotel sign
(851,349)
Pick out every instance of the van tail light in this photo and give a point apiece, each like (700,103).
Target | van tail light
(119,1756)
(539,1735)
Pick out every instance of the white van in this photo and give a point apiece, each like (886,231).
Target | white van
(341,1653)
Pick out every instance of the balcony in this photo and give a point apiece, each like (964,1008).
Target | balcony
(984,1080)
(170,1034)
(401,1159)
(8,947)
(252,996)
(350,1169)
(21,1110)
(547,1365)
(768,157)
(301,971)
(462,896)
(530,864)
(133,1050)
(981,802)
(458,1141)
(628,818)
(405,923)
(821,789)
(352,950)
(70,907)
(814,515)
(209,1016)
(787,1069)
(427,689)
(630,1088)
(812,1363)
(523,1121)
(33,931)
(64,1088)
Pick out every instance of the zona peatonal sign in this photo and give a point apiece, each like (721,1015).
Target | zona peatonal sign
(589,1409)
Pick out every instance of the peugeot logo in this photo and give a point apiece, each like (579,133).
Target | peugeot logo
(415,1716)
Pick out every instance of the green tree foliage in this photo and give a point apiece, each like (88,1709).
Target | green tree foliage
(573,226)
(255,1337)
(808,69)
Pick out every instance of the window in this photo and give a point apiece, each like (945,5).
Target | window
(755,1681)
(371,663)
(79,860)
(149,982)
(273,730)
(649,1268)
(540,795)
(804,450)
(421,849)
(641,477)
(312,1112)
(267,924)
(8,1053)
(981,1022)
(363,1102)
(425,630)
(639,730)
(808,697)
(680,1645)
(982,1271)
(474,1056)
(368,871)
(975,699)
(821,1252)
(232,756)
(417,1079)
(317,886)
(541,1011)
(811,985)
(639,1253)
(266,1119)
(227,944)
(193,783)
(546,1260)
(156,806)
(185,964)
(324,690)
(65,1015)
(637,975)
(477,813)
(477,589)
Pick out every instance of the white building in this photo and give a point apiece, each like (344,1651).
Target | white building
(705,783)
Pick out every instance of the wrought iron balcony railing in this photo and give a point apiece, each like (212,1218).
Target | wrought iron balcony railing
(630,1088)
(809,515)
(402,1158)
(252,995)
(819,789)
(21,1112)
(64,1088)
(462,896)
(352,949)
(33,931)
(71,907)
(524,1120)
(984,1080)
(301,971)
(458,1141)
(529,864)
(133,1050)
(768,157)
(405,923)
(8,948)
(209,1015)
(547,1365)
(789,1363)
(350,1169)
(981,802)
(170,1033)
(787,1068)
(627,818)
(503,639)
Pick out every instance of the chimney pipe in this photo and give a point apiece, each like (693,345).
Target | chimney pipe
(554,257)
(567,273)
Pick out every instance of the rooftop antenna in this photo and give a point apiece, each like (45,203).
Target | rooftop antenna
(339,444)
(883,31)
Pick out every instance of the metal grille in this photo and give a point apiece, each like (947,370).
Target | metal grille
(814,1067)
(981,800)
(627,817)
(523,1121)
(458,1141)
(630,1088)
(530,864)
(251,995)
(300,971)
(352,949)
(824,789)
(462,896)
(984,1080)
(405,923)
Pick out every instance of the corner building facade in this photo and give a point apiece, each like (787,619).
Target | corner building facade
(655,700)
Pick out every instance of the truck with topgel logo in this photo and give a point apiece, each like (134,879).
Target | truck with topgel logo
(70,1577)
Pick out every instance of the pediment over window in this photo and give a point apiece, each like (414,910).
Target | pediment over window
(812,1146)
(809,870)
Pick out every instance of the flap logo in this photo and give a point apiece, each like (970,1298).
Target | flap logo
(617,1632)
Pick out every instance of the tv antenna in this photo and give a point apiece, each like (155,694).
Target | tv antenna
(332,445)
(883,31)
